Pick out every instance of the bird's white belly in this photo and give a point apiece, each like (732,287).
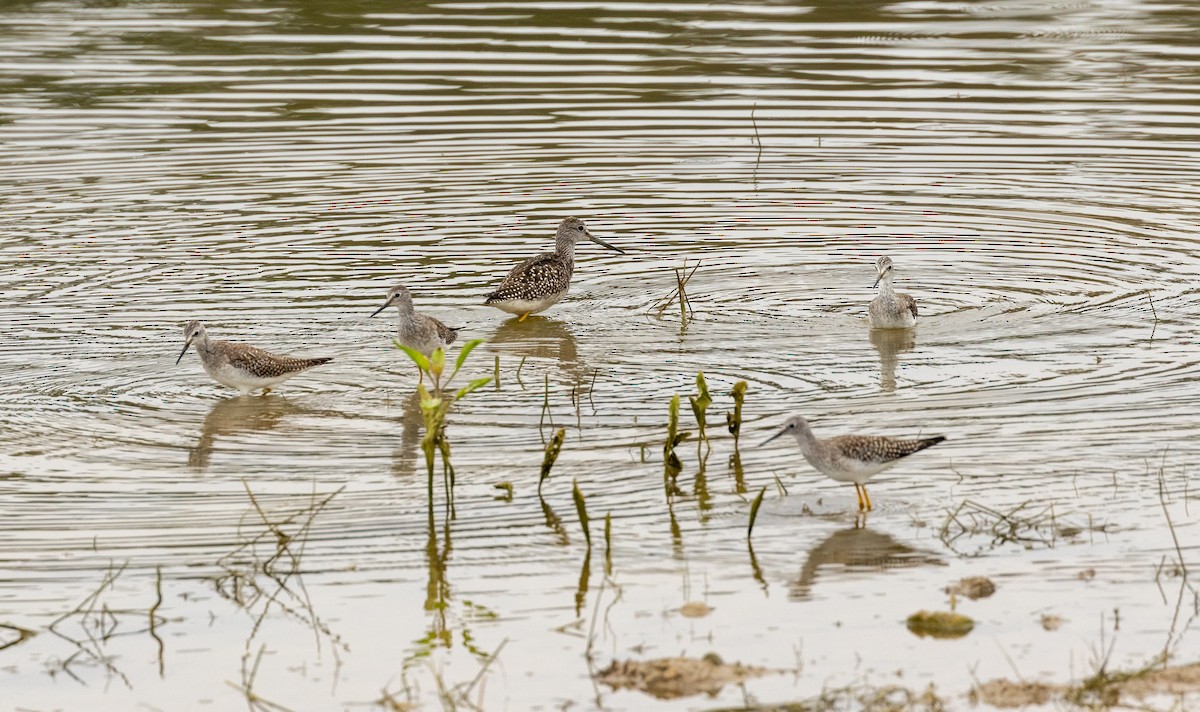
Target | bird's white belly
(528,306)
(849,470)
(236,378)
(903,320)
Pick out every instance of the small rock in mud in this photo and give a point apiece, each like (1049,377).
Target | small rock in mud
(670,678)
(940,624)
(1052,622)
(1005,694)
(973,587)
(695,609)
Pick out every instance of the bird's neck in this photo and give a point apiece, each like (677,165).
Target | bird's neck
(564,247)
(808,441)
(885,287)
(405,307)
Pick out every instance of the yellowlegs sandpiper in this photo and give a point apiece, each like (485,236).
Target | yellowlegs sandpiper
(890,310)
(537,283)
(852,458)
(418,332)
(243,367)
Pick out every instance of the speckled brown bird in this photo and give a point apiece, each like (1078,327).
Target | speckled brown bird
(239,366)
(890,310)
(852,458)
(539,282)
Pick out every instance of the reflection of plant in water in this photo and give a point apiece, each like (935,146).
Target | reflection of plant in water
(91,626)
(439,600)
(452,697)
(263,572)
(16,633)
(97,624)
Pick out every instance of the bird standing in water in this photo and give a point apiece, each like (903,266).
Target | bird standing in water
(890,310)
(852,458)
(417,331)
(239,366)
(539,282)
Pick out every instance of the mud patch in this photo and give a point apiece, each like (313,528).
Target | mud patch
(671,678)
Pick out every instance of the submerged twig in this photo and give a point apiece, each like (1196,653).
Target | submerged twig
(681,280)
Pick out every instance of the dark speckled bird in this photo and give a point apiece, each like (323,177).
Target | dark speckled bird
(852,458)
(243,367)
(890,310)
(417,331)
(537,283)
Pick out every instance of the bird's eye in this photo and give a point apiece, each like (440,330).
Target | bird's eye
(579,227)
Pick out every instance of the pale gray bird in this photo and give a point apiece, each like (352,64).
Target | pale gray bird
(417,331)
(239,366)
(852,458)
(890,310)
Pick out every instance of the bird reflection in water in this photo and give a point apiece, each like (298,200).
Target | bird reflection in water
(404,458)
(856,550)
(539,337)
(238,415)
(889,343)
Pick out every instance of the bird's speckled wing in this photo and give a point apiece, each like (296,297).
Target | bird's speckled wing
(264,364)
(534,279)
(908,303)
(879,448)
(445,333)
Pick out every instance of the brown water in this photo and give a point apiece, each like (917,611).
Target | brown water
(273,169)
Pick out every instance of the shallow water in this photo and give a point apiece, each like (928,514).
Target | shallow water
(272,171)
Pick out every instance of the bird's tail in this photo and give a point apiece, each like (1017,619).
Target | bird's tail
(921,444)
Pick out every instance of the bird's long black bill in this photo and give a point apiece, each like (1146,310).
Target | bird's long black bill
(764,442)
(880,277)
(385,306)
(181,353)
(598,241)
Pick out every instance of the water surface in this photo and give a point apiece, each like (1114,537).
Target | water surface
(273,170)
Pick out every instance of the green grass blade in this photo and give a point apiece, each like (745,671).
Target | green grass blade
(552,449)
(581,510)
(754,511)
(472,386)
(463,353)
(417,357)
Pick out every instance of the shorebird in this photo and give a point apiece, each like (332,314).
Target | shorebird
(239,366)
(890,310)
(417,331)
(852,458)
(537,283)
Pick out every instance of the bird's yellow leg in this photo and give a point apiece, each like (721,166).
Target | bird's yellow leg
(522,317)
(266,391)
(858,493)
(867,497)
